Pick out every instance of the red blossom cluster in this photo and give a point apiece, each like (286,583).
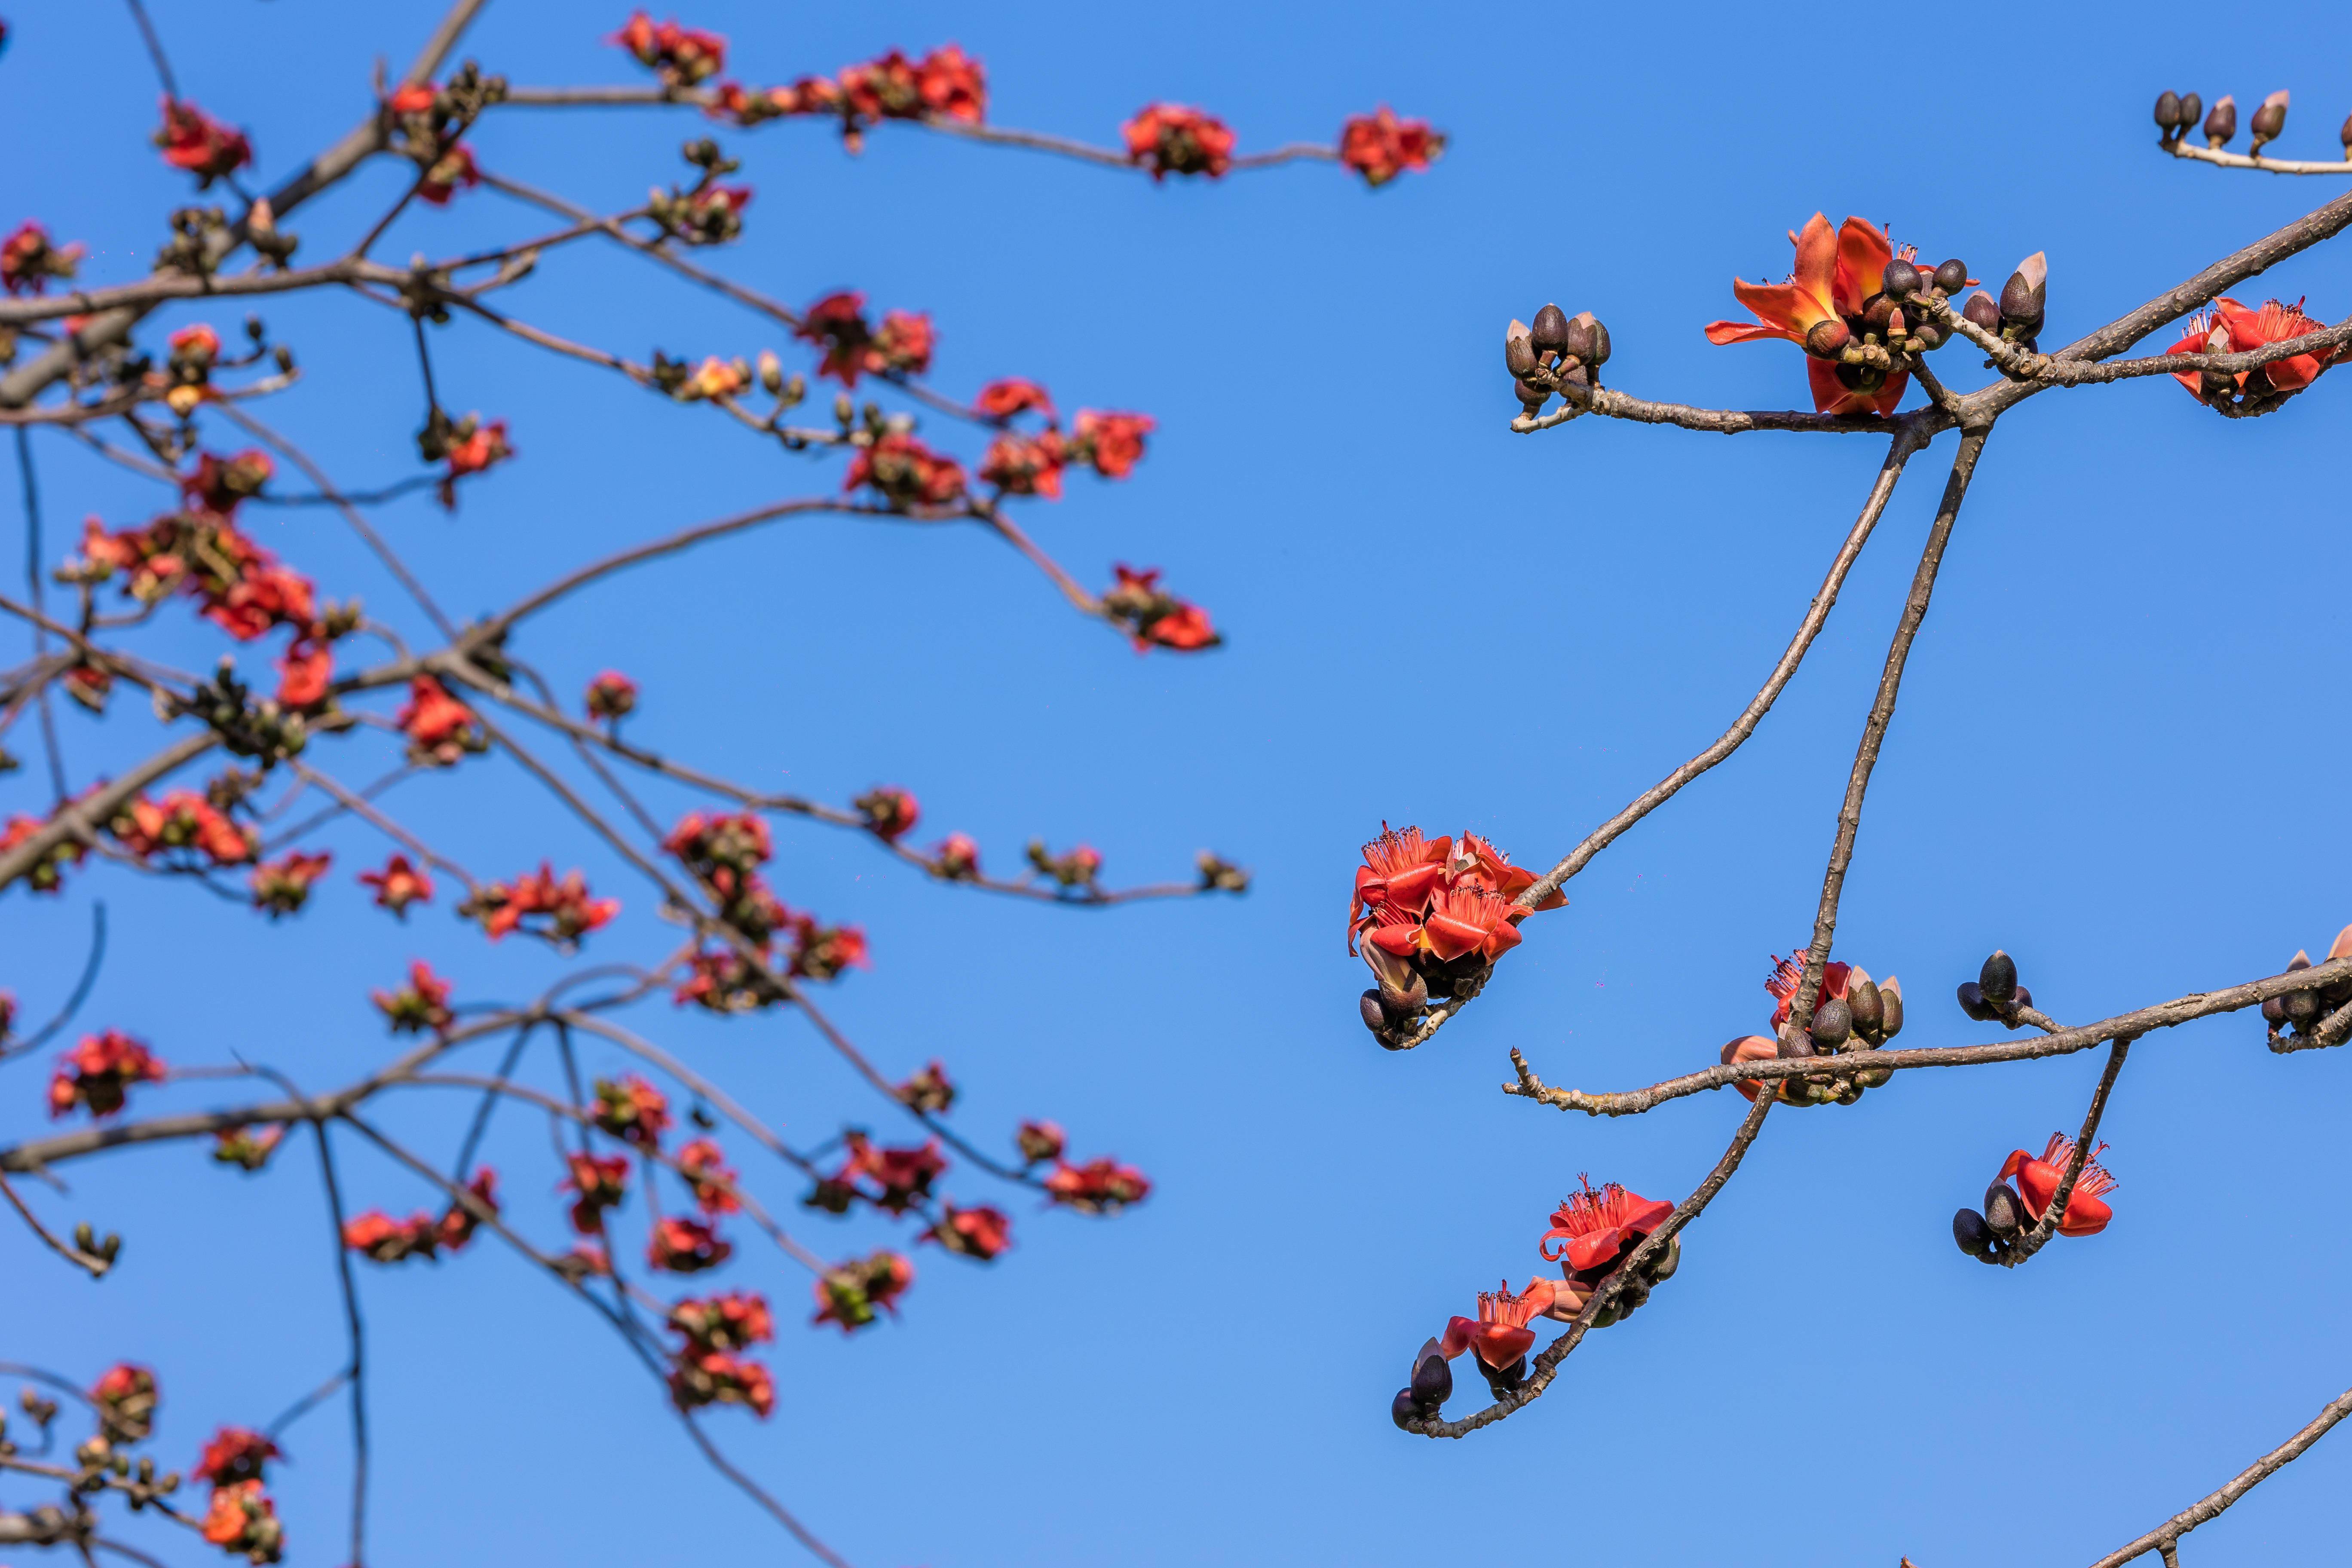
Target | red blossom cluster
(945,84)
(1853,1012)
(183,819)
(630,1109)
(1019,463)
(848,1293)
(380,1238)
(282,886)
(1380,146)
(1170,139)
(471,446)
(981,1232)
(1152,618)
(892,1180)
(1040,1142)
(612,696)
(681,1246)
(597,1182)
(2009,1212)
(957,857)
(195,142)
(1433,917)
(28,259)
(47,876)
(97,1073)
(904,472)
(560,912)
(440,728)
(234,1455)
(890,812)
(421,1005)
(1100,1186)
(125,1399)
(706,1368)
(702,1165)
(241,1519)
(900,346)
(430,120)
(2231,328)
(725,853)
(681,57)
(398,885)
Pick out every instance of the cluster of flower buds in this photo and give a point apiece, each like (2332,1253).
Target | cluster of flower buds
(681,57)
(2229,327)
(195,142)
(892,1180)
(1154,618)
(900,346)
(380,1238)
(97,1073)
(28,259)
(560,911)
(2175,116)
(707,1368)
(1993,1236)
(890,811)
(282,886)
(1853,1013)
(1560,353)
(705,214)
(945,84)
(612,696)
(1219,875)
(980,1233)
(1380,146)
(1434,916)
(702,1165)
(266,728)
(848,1293)
(398,885)
(420,1006)
(2297,1018)
(1099,1186)
(2017,316)
(1039,1141)
(47,874)
(234,1455)
(431,120)
(681,1246)
(1995,995)
(1074,870)
(1170,139)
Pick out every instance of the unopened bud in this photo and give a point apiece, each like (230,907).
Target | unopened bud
(2269,118)
(2302,1006)
(1997,978)
(1864,378)
(1952,275)
(2002,1210)
(1518,353)
(1981,310)
(1375,1018)
(1403,1411)
(1828,338)
(1549,334)
(2345,136)
(2023,297)
(1876,311)
(1972,1002)
(1832,1023)
(2222,123)
(1974,1237)
(1531,395)
(2167,110)
(1901,280)
(1665,1261)
(1433,1378)
(1592,345)
(772,373)
(1890,996)
(2191,106)
(1867,1008)
(2274,1011)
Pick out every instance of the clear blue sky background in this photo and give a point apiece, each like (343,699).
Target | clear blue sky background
(2113,758)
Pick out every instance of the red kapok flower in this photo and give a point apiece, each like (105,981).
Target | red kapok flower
(597,1182)
(682,56)
(447,175)
(28,261)
(1594,1227)
(97,1073)
(422,1004)
(905,473)
(611,696)
(439,727)
(1380,146)
(716,1377)
(234,1455)
(681,1246)
(957,859)
(459,1221)
(1152,618)
(1112,443)
(243,1520)
(1012,394)
(1837,273)
(1099,1186)
(398,885)
(1040,1142)
(890,811)
(1021,465)
(217,483)
(980,1233)
(282,886)
(2087,1213)
(1499,1334)
(194,141)
(929,1092)
(183,819)
(1788,972)
(705,1169)
(126,1397)
(632,1109)
(305,672)
(821,952)
(567,912)
(1401,870)
(1170,139)
(380,1238)
(476,448)
(848,1293)
(2231,328)
(246,1147)
(727,1320)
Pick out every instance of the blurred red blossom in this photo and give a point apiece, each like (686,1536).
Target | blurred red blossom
(97,1073)
(1170,139)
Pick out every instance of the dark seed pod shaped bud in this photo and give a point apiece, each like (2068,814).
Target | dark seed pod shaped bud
(1506,1380)
(2019,308)
(2302,1006)
(1981,310)
(1403,1411)
(1952,276)
(1551,331)
(2269,118)
(1876,311)
(1926,337)
(2191,106)
(1596,353)
(2301,960)
(1793,1045)
(1530,395)
(2274,1011)
(1661,1264)
(2167,109)
(1972,1002)
(1970,1230)
(1892,1000)
(1827,339)
(2222,123)
(1432,1377)
(1832,1023)
(1901,280)
(1867,1007)
(2004,1212)
(1518,353)
(1997,979)
(2024,996)
(1376,1018)
(2345,136)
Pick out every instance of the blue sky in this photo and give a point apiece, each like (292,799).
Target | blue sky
(2111,759)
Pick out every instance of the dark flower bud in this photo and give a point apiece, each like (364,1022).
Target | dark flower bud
(1876,311)
(1968,1229)
(1869,1008)
(1828,338)
(1997,978)
(1665,1261)
(2270,120)
(2025,996)
(2345,136)
(1832,1023)
(1793,1045)
(1551,331)
(1432,1377)
(1972,1002)
(1403,1411)
(2222,123)
(2274,1011)
(2191,106)
(2023,296)
(1505,1381)
(1405,1001)
(1981,310)
(1518,353)
(1928,337)
(1861,377)
(1375,1018)
(1952,276)
(1892,1000)
(1530,394)
(2301,960)
(2003,1211)
(1901,280)
(2302,1006)
(1596,353)
(2167,110)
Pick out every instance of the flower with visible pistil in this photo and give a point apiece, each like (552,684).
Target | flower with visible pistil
(2231,328)
(1594,1227)
(2037,1182)
(398,885)
(1500,1336)
(1824,306)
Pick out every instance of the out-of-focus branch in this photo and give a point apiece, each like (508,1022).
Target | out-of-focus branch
(2163,1537)
(83,818)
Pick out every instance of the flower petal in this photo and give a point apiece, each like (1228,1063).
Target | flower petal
(1863,253)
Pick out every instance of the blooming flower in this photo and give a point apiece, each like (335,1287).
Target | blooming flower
(283,886)
(681,1245)
(243,1520)
(890,812)
(2231,328)
(447,175)
(705,1169)
(379,1238)
(422,1004)
(1111,443)
(946,82)
(249,1148)
(1152,618)
(2087,1213)
(1595,1228)
(611,696)
(439,727)
(980,1233)
(680,56)
(1099,1186)
(1021,465)
(398,885)
(471,448)
(99,1071)
(459,1221)
(183,819)
(306,672)
(194,141)
(28,259)
(715,1377)
(905,473)
(632,1109)
(1433,912)
(1169,139)
(1012,394)
(598,1182)
(234,1455)
(1822,307)
(1499,1334)
(1040,1142)
(848,1293)
(1380,146)
(930,1090)
(957,857)
(729,1320)
(568,911)
(1787,973)
(821,952)
(218,484)
(47,876)
(125,1397)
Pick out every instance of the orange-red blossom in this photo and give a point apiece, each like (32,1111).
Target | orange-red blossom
(1819,308)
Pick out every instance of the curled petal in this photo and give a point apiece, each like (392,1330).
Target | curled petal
(1863,253)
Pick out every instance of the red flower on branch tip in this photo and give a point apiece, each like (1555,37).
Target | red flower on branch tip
(1111,443)
(183,819)
(612,696)
(474,447)
(194,141)
(848,1293)
(234,1455)
(282,886)
(218,484)
(890,812)
(905,473)
(2231,328)
(379,1238)
(1040,1142)
(631,1109)
(1170,139)
(459,1221)
(1442,897)
(1499,1334)
(1020,465)
(242,1519)
(398,885)
(821,952)
(1008,396)
(929,1092)
(1380,146)
(705,1169)
(1152,618)
(981,1233)
(305,672)
(1100,1186)
(246,1147)
(440,728)
(957,859)
(421,1004)
(947,83)
(1822,308)
(564,907)
(126,1395)
(598,1182)
(727,1320)
(1593,1227)
(680,56)
(2087,1213)
(1789,972)
(97,1073)
(452,171)
(28,259)
(681,1245)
